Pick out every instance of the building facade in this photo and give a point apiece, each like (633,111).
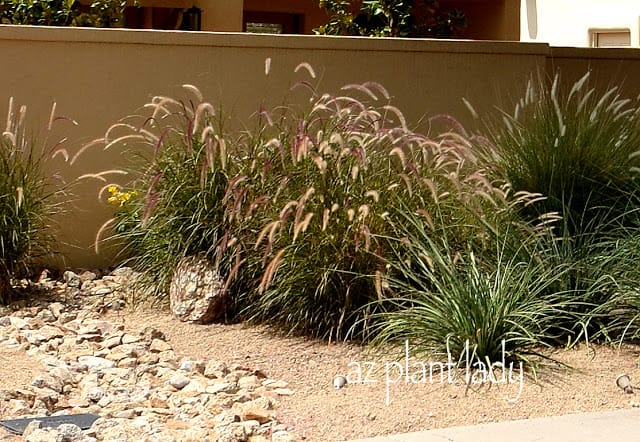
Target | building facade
(581,23)
(486,19)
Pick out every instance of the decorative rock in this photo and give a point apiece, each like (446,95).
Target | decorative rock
(95,394)
(31,428)
(339,381)
(215,369)
(130,339)
(19,323)
(195,292)
(179,382)
(168,357)
(271,383)
(93,366)
(41,435)
(48,381)
(123,351)
(69,433)
(56,309)
(87,276)
(151,333)
(71,279)
(113,341)
(256,414)
(95,363)
(222,387)
(98,291)
(158,346)
(189,365)
(63,374)
(47,316)
(232,433)
(249,382)
(125,414)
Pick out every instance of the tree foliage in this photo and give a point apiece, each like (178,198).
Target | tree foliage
(391,18)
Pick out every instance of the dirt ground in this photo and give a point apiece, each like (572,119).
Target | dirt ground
(387,403)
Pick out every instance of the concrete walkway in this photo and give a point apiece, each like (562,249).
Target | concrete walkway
(622,425)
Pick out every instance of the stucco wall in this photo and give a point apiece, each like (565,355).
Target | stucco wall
(99,76)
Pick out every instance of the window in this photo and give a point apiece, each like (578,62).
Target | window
(272,22)
(264,28)
(610,38)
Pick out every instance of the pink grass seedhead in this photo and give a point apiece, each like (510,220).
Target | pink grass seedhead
(151,200)
(270,271)
(361,88)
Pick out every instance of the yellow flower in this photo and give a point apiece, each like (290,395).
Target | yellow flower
(119,198)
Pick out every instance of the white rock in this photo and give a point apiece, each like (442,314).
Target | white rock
(96,363)
(69,433)
(94,394)
(179,382)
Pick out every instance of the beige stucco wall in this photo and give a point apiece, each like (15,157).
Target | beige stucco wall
(99,76)
(567,22)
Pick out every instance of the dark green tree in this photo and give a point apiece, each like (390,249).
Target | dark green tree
(391,18)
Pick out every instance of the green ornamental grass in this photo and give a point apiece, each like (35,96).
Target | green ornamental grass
(28,200)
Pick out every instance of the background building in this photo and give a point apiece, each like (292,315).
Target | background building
(581,23)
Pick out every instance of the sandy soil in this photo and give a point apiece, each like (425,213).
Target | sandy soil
(319,412)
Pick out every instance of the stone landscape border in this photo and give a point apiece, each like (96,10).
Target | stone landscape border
(136,383)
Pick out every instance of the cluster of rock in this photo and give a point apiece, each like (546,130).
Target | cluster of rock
(136,383)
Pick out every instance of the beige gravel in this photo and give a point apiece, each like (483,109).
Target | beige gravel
(318,412)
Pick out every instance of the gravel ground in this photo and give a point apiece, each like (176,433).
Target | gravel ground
(319,412)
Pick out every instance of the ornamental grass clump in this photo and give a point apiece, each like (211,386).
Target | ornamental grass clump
(491,301)
(29,199)
(577,147)
(329,175)
(177,202)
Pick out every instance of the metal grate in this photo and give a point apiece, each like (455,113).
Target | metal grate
(84,421)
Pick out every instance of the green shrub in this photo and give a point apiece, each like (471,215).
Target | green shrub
(325,176)
(384,18)
(607,276)
(333,219)
(102,13)
(28,200)
(299,205)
